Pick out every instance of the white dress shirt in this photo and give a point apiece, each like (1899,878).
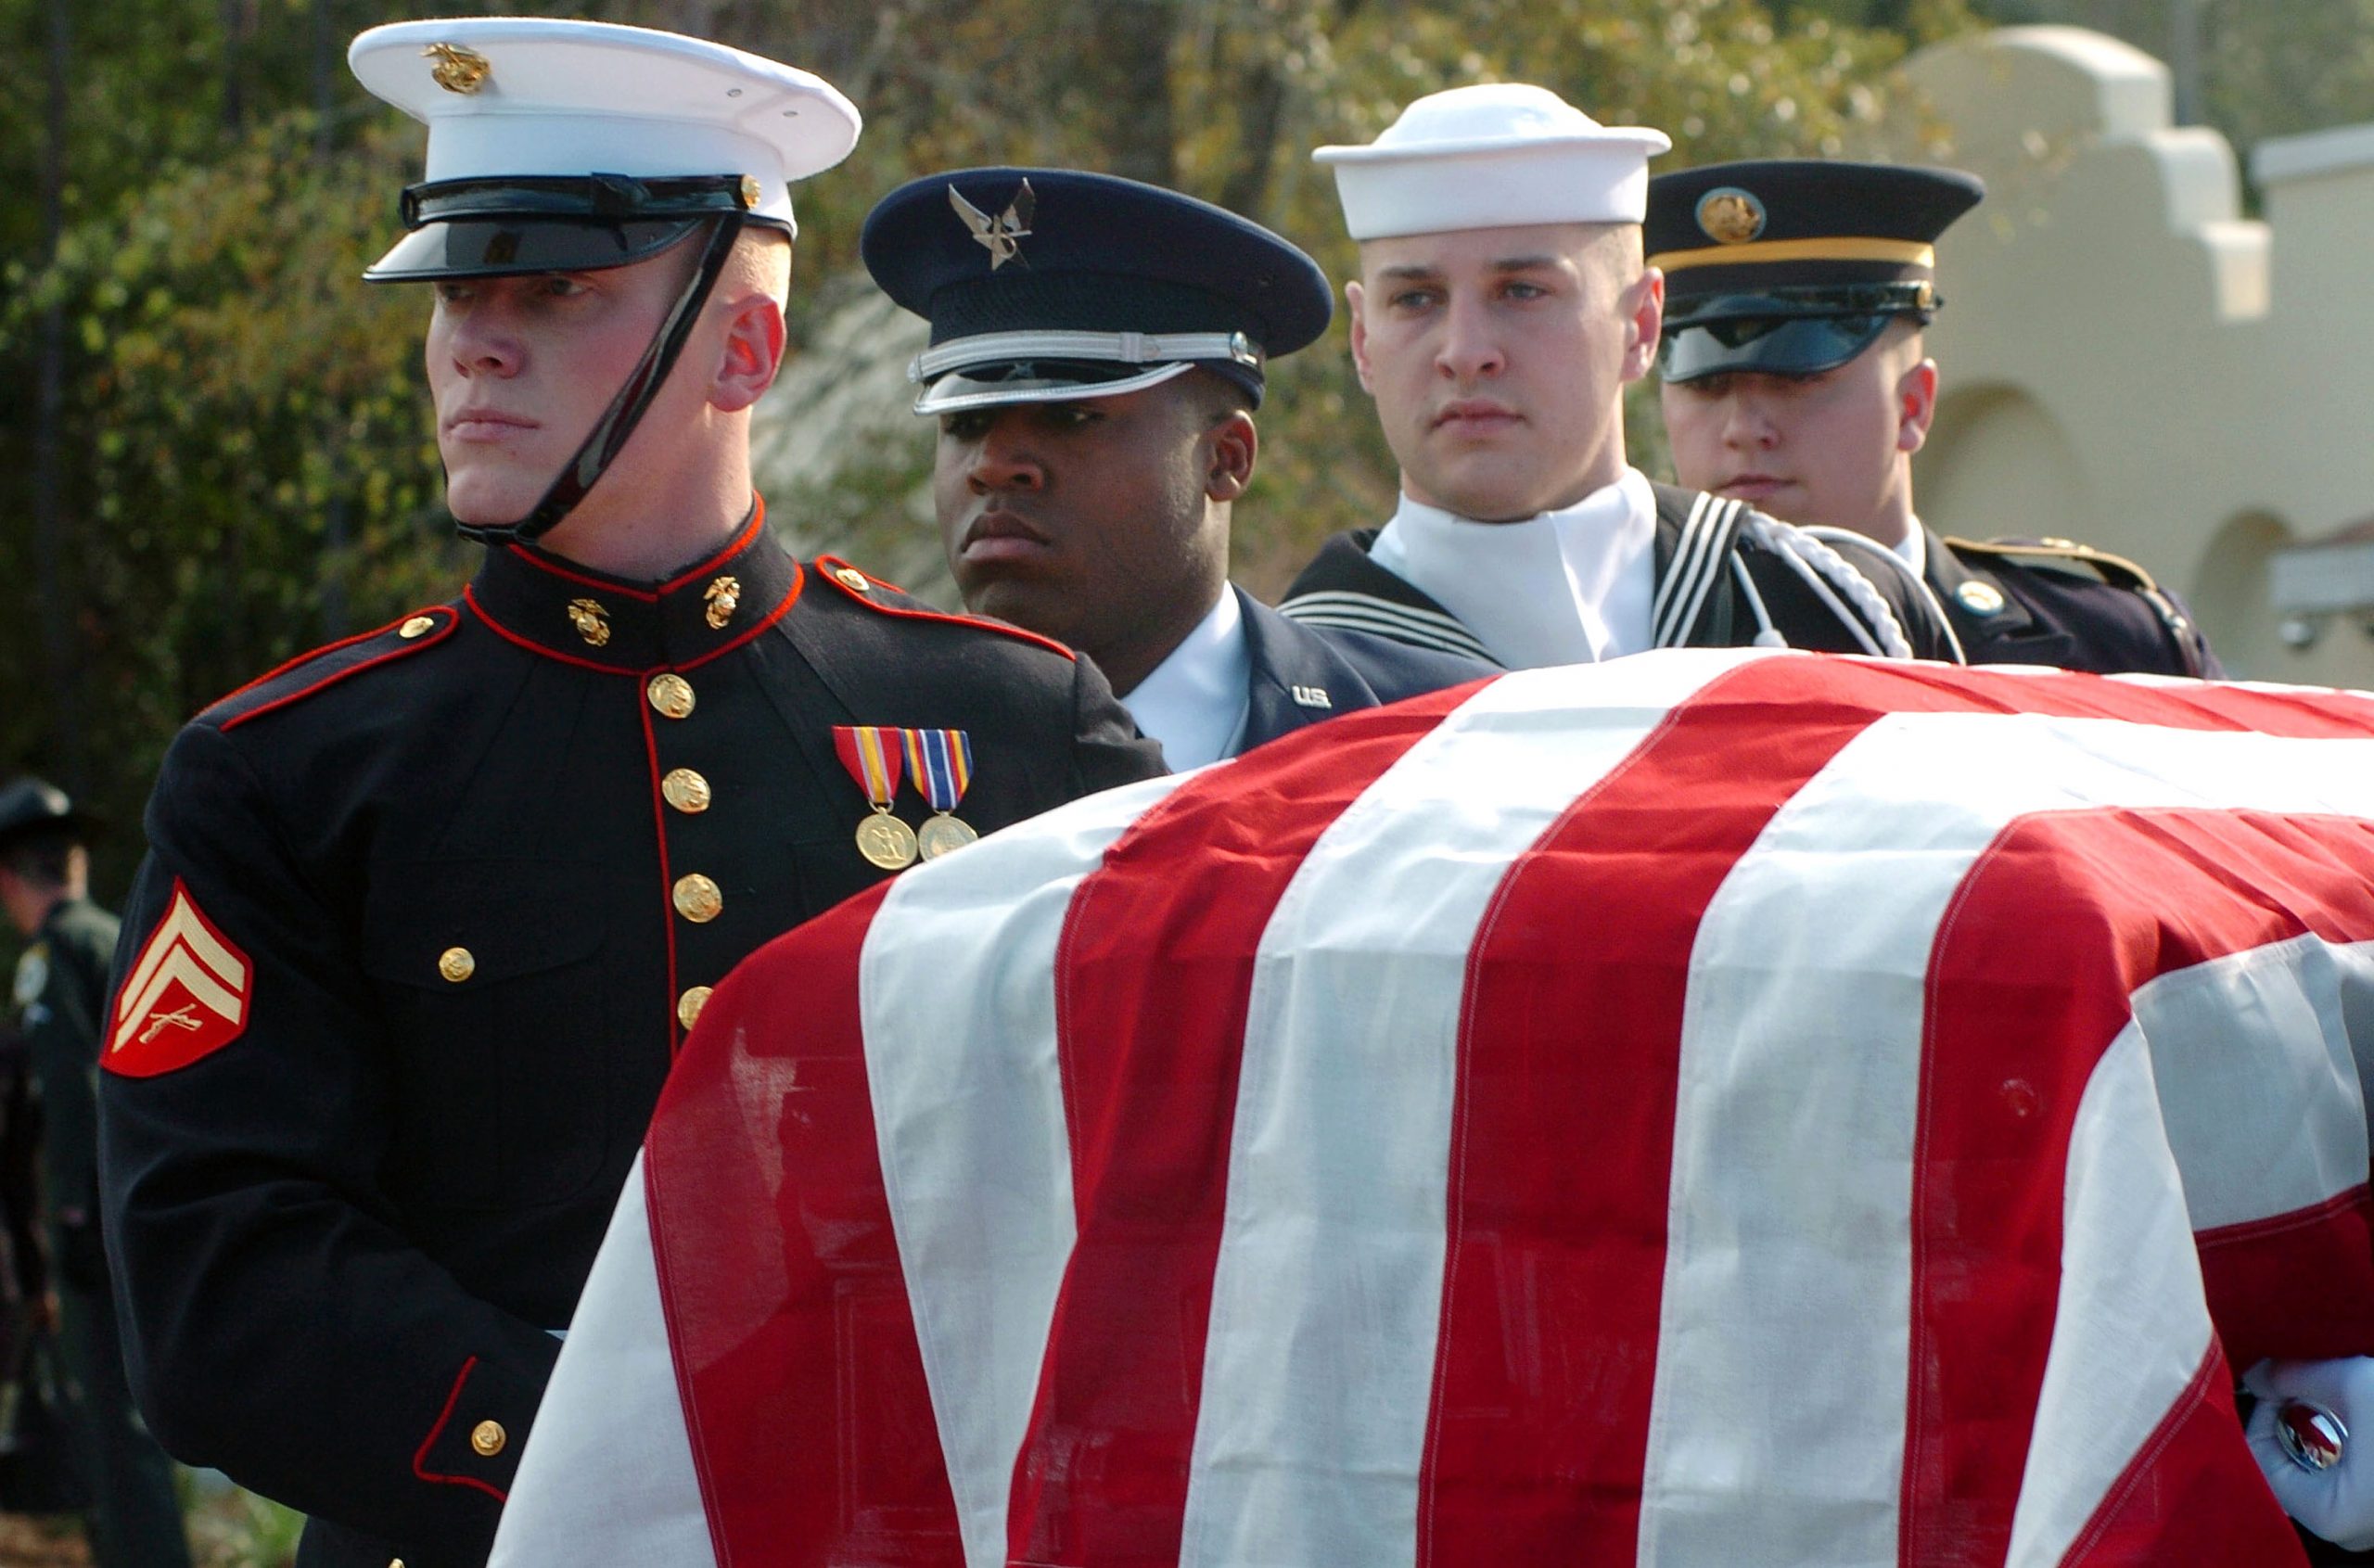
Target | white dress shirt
(1913,548)
(1195,701)
(1566,587)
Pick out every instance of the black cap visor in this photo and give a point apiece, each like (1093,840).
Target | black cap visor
(560,224)
(509,247)
(1766,345)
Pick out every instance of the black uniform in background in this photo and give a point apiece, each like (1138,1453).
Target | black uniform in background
(133,1516)
(2051,602)
(424,918)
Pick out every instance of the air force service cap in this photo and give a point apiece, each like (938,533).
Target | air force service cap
(1044,285)
(574,145)
(1793,266)
(1498,155)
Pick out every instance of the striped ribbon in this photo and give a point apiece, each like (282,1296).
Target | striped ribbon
(873,764)
(941,761)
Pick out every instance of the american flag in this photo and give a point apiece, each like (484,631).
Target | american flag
(1712,1108)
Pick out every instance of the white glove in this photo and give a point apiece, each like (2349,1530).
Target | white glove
(2338,1502)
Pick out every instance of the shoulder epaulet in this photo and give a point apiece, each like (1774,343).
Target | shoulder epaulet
(889,598)
(2063,555)
(326,667)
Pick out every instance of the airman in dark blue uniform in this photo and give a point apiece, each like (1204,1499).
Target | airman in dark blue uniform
(1098,349)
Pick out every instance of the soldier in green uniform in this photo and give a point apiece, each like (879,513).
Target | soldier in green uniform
(59,997)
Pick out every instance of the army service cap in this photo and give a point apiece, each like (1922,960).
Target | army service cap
(1045,285)
(574,145)
(1793,266)
(1497,155)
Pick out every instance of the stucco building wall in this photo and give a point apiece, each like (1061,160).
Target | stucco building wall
(2129,362)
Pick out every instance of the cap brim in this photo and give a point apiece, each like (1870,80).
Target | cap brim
(509,247)
(1767,345)
(954,393)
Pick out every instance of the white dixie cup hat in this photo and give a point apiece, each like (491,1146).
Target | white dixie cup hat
(1497,155)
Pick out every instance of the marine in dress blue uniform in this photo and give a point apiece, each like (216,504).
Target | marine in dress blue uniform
(1098,349)
(427,912)
(1796,274)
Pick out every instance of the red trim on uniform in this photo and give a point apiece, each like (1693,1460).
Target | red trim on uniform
(832,564)
(287,665)
(532,646)
(799,579)
(420,1460)
(666,883)
(641,595)
(733,546)
(444,629)
(651,596)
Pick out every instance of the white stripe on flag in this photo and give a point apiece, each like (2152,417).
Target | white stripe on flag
(2130,1326)
(607,1476)
(1320,1349)
(956,990)
(1778,1423)
(2252,1056)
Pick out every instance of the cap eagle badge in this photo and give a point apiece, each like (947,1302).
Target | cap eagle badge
(1730,215)
(1001,235)
(458,69)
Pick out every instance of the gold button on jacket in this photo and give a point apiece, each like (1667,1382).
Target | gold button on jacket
(685,790)
(689,1006)
(456,964)
(488,1437)
(698,899)
(671,694)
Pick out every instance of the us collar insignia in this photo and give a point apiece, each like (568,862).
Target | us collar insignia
(1001,235)
(590,620)
(458,69)
(724,597)
(1730,215)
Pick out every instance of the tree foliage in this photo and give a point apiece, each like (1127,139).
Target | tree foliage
(250,464)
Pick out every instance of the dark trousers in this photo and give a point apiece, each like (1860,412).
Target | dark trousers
(135,1521)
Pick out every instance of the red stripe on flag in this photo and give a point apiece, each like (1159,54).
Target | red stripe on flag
(2249,1272)
(1153,978)
(2062,920)
(803,1386)
(1563,1128)
(1546,1359)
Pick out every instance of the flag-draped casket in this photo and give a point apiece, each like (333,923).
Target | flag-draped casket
(1713,1108)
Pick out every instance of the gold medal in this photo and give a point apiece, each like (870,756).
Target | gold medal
(874,758)
(943,835)
(887,842)
(940,761)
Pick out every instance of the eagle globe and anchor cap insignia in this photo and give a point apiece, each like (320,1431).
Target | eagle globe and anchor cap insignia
(458,69)
(185,996)
(1001,235)
(1730,215)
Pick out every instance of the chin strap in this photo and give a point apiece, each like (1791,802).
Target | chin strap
(617,421)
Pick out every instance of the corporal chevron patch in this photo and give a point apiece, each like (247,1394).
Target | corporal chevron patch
(185,997)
